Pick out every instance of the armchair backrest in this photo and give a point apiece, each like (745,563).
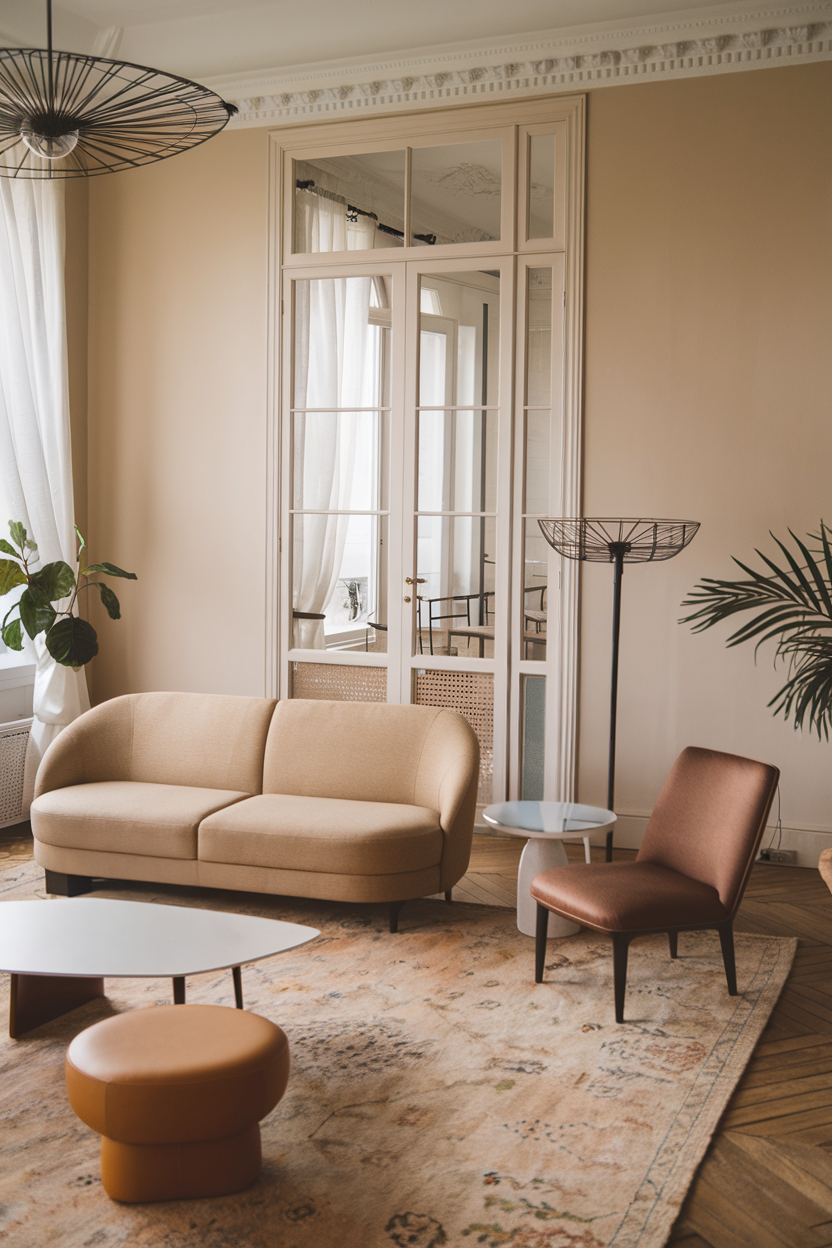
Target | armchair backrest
(709,819)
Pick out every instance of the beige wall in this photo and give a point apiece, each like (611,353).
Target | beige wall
(707,396)
(177,417)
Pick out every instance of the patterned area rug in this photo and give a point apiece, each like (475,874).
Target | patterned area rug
(438,1096)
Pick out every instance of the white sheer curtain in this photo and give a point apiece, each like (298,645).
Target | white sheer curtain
(331,327)
(35,450)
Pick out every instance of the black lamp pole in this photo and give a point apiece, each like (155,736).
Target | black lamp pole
(617,542)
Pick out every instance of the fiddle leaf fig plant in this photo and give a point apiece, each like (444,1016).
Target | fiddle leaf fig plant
(792,605)
(70,640)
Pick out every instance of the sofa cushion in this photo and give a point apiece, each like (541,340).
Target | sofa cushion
(323,834)
(123,817)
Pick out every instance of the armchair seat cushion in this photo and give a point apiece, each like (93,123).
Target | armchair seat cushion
(323,834)
(126,817)
(628,897)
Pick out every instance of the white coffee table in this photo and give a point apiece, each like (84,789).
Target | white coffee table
(60,952)
(547,825)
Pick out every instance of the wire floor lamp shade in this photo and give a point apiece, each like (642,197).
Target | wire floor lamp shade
(63,115)
(620,541)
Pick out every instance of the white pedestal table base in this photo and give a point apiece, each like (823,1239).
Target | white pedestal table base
(540,854)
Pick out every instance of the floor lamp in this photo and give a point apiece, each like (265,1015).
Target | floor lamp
(617,542)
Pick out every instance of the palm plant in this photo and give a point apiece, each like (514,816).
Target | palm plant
(792,604)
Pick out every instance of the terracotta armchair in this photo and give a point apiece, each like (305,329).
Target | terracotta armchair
(689,874)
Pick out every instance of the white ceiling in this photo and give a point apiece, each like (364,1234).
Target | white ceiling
(203,38)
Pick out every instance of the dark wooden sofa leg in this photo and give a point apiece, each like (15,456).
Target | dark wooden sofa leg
(395,911)
(67,885)
(540,933)
(726,939)
(673,939)
(620,946)
(449,895)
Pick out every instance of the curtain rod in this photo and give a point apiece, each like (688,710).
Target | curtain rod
(310,186)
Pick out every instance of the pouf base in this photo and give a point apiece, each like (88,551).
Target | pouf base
(139,1173)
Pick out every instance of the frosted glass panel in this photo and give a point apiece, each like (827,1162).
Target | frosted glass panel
(457,461)
(348,203)
(541,186)
(534,737)
(456,192)
(535,606)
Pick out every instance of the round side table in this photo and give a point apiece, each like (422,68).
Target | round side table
(547,825)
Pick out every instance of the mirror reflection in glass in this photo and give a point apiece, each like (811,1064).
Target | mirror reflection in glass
(342,343)
(456,192)
(349,203)
(339,581)
(459,340)
(539,331)
(455,561)
(457,461)
(535,591)
(354,441)
(541,197)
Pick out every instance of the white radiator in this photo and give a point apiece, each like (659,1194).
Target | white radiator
(14,737)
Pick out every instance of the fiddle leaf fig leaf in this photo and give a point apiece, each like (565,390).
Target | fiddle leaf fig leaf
(111,570)
(18,534)
(36,616)
(52,583)
(13,635)
(11,574)
(8,549)
(109,600)
(72,642)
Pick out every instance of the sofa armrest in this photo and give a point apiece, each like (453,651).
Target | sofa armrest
(447,780)
(95,746)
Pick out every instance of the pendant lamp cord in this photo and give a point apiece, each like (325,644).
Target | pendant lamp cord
(49,50)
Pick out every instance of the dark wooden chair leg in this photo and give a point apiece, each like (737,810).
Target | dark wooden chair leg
(395,911)
(608,855)
(449,895)
(540,932)
(726,939)
(61,885)
(673,938)
(620,946)
(238,986)
(179,990)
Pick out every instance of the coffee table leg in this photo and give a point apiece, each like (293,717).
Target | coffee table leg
(540,855)
(37,999)
(238,986)
(179,990)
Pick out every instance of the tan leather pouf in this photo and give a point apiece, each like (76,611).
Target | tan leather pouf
(177,1093)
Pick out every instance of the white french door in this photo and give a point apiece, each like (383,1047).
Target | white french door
(428,414)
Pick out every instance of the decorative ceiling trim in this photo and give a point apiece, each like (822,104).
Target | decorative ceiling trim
(791,34)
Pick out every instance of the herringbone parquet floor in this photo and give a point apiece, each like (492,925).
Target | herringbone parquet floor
(766,1181)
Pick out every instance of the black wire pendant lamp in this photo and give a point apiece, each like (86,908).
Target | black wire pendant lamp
(63,115)
(617,542)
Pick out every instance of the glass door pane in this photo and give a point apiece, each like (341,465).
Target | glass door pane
(456,462)
(340,440)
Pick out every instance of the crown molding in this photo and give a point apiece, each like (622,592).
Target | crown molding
(602,55)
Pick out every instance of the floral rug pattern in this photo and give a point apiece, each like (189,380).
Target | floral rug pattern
(438,1097)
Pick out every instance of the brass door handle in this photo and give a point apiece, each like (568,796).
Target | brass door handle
(408,580)
(407,600)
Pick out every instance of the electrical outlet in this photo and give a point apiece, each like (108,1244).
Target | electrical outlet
(784,857)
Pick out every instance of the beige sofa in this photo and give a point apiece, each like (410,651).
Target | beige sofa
(349,801)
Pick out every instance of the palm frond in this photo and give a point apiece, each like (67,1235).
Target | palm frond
(792,606)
